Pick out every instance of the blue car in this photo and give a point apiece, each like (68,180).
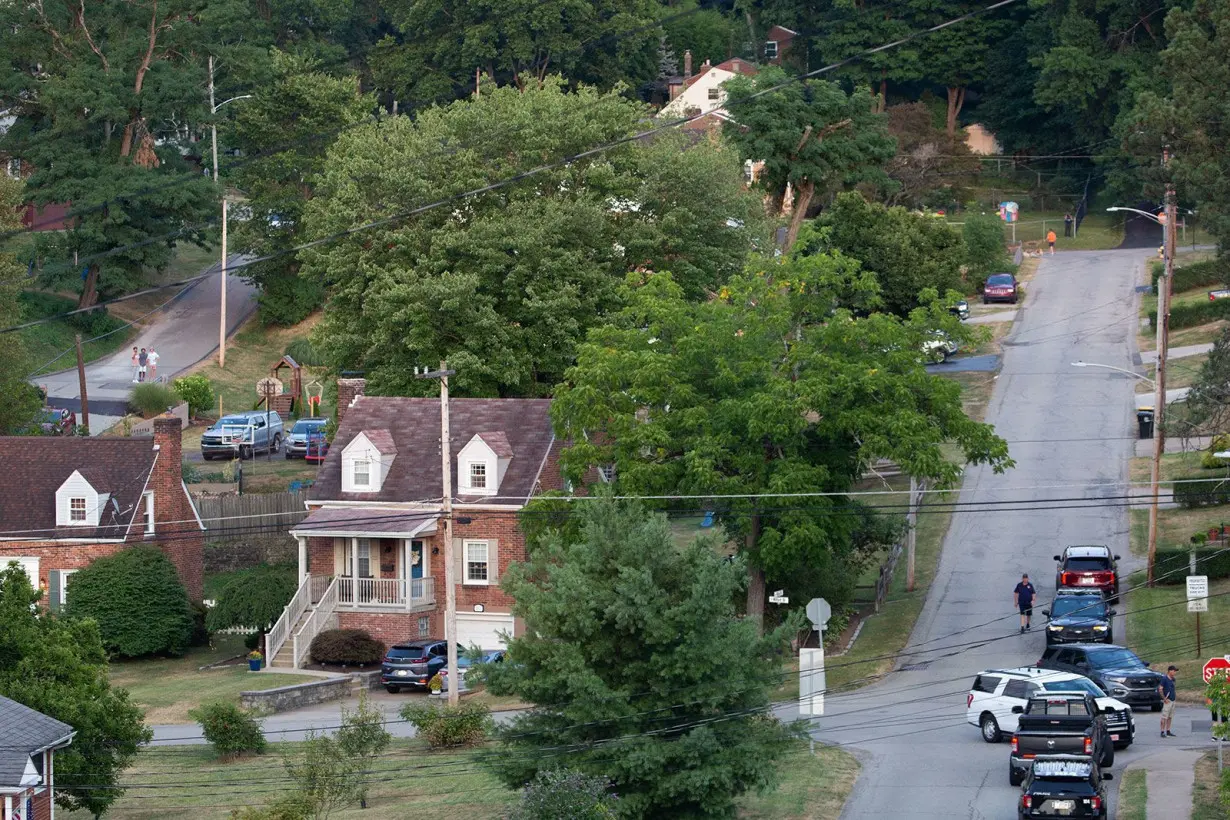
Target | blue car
(301,434)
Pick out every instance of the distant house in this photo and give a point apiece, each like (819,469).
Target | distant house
(777,44)
(703,92)
(371,550)
(28,743)
(51,217)
(70,500)
(980,141)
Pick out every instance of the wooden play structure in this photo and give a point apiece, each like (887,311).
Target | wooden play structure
(289,399)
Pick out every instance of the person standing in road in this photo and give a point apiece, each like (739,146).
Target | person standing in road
(142,363)
(1023,597)
(136,368)
(153,364)
(1050,240)
(1166,689)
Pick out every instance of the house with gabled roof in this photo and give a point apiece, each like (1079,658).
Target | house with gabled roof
(27,760)
(66,501)
(371,549)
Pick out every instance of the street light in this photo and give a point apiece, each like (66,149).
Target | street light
(1116,369)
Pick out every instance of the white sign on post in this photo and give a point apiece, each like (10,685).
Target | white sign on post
(1197,587)
(811,662)
(779,597)
(1198,605)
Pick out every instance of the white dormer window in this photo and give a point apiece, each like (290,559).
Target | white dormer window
(77,511)
(366,461)
(482,463)
(478,475)
(78,504)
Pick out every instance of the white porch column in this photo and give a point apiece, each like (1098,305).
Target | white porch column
(406,569)
(303,558)
(354,571)
(49,764)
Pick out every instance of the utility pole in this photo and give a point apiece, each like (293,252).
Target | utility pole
(910,534)
(450,580)
(1165,285)
(85,401)
(222,312)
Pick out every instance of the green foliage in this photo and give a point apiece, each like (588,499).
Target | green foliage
(1208,459)
(1206,403)
(254,598)
(505,295)
(362,738)
(137,601)
(563,794)
(293,806)
(302,351)
(151,399)
(346,646)
(627,653)
(197,390)
(200,632)
(929,166)
(985,250)
(1209,273)
(59,668)
(1171,564)
(465,724)
(1201,490)
(232,731)
(1194,314)
(323,775)
(21,400)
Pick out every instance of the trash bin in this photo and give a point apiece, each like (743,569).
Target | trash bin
(1144,418)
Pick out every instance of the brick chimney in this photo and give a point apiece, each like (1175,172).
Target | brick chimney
(168,437)
(175,528)
(347,391)
(687,64)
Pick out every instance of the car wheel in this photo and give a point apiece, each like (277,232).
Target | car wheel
(277,444)
(1014,779)
(206,457)
(990,729)
(986,301)
(245,451)
(392,690)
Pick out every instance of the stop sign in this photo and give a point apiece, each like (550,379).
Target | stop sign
(1216,666)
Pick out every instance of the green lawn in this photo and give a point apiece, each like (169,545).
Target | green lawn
(1160,630)
(410,780)
(1206,795)
(1098,231)
(1133,794)
(167,688)
(1179,372)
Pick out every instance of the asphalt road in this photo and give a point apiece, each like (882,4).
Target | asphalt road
(910,729)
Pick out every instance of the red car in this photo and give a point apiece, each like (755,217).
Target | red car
(999,287)
(1089,566)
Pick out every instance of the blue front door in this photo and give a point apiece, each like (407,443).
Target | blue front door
(416,559)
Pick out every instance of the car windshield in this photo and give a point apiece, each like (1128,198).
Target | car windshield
(307,425)
(1084,606)
(232,421)
(1075,685)
(405,653)
(1087,564)
(1115,659)
(1000,279)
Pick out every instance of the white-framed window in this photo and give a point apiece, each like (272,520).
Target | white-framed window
(478,475)
(148,506)
(715,93)
(770,50)
(607,471)
(477,558)
(424,626)
(76,510)
(364,551)
(65,574)
(362,473)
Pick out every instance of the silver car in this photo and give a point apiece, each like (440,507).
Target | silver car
(297,441)
(241,435)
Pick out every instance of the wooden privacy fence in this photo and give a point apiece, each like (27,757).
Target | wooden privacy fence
(258,514)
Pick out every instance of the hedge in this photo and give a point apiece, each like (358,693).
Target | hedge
(1192,314)
(1210,273)
(351,647)
(1200,490)
(1171,565)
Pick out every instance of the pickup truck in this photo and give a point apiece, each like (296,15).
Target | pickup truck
(242,435)
(1059,723)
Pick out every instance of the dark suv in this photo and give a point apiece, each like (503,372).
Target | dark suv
(1063,786)
(1118,671)
(412,663)
(1089,566)
(1079,616)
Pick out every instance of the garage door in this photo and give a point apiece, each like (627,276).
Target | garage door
(30,565)
(483,629)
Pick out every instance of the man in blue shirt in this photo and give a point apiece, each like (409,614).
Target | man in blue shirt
(1166,688)
(1023,596)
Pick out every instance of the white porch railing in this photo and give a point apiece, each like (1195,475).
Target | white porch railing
(316,623)
(319,584)
(277,636)
(384,592)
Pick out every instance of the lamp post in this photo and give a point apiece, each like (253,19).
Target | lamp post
(213,110)
(1116,369)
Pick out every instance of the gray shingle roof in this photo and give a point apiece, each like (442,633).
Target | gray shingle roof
(25,731)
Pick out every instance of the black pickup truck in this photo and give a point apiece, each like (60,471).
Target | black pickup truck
(1059,723)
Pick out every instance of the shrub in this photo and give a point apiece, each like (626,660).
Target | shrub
(1193,314)
(1211,462)
(190,473)
(254,598)
(138,601)
(197,390)
(1211,273)
(151,399)
(1201,491)
(200,632)
(565,794)
(301,351)
(463,725)
(985,250)
(346,646)
(1171,563)
(231,730)
(252,641)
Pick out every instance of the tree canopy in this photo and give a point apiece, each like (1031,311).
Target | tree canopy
(21,398)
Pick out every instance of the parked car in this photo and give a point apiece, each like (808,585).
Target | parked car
(960,309)
(1089,566)
(1115,669)
(1000,287)
(996,692)
(1069,723)
(317,447)
(242,435)
(297,441)
(412,664)
(939,347)
(1079,616)
(1064,786)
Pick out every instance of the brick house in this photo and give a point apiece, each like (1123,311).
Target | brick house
(27,760)
(371,548)
(70,500)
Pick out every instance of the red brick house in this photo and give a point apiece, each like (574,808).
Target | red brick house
(27,760)
(777,43)
(371,548)
(69,500)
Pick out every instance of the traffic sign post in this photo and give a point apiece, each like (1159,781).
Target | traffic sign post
(779,597)
(1213,668)
(1197,602)
(811,661)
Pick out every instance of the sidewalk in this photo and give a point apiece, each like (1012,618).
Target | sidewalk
(1150,356)
(1194,444)
(1169,777)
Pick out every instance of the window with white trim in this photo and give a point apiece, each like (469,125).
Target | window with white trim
(362,473)
(607,472)
(715,93)
(477,558)
(147,501)
(478,475)
(770,50)
(364,550)
(424,626)
(76,510)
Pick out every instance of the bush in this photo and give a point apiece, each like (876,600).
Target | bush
(346,646)
(1211,273)
(984,243)
(197,390)
(463,725)
(1194,314)
(190,473)
(151,399)
(564,794)
(1171,564)
(1201,491)
(301,351)
(252,641)
(254,598)
(231,730)
(138,601)
(200,633)
(37,304)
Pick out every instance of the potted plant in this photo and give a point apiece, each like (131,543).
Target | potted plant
(1214,533)
(435,684)
(254,660)
(1200,539)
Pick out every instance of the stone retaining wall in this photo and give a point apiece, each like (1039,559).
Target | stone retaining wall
(286,698)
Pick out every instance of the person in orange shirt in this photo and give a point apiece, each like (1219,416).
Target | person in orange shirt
(1050,240)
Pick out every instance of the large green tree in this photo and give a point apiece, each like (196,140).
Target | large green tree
(763,396)
(21,399)
(503,284)
(627,654)
(288,125)
(811,135)
(58,667)
(103,95)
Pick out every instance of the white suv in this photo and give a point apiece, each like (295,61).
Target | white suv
(996,691)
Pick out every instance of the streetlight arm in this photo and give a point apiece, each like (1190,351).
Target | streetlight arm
(1138,211)
(1116,369)
(231,100)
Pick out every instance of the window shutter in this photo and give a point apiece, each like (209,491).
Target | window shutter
(459,560)
(493,561)
(53,590)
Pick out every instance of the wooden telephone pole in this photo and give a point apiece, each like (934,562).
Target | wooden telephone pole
(85,400)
